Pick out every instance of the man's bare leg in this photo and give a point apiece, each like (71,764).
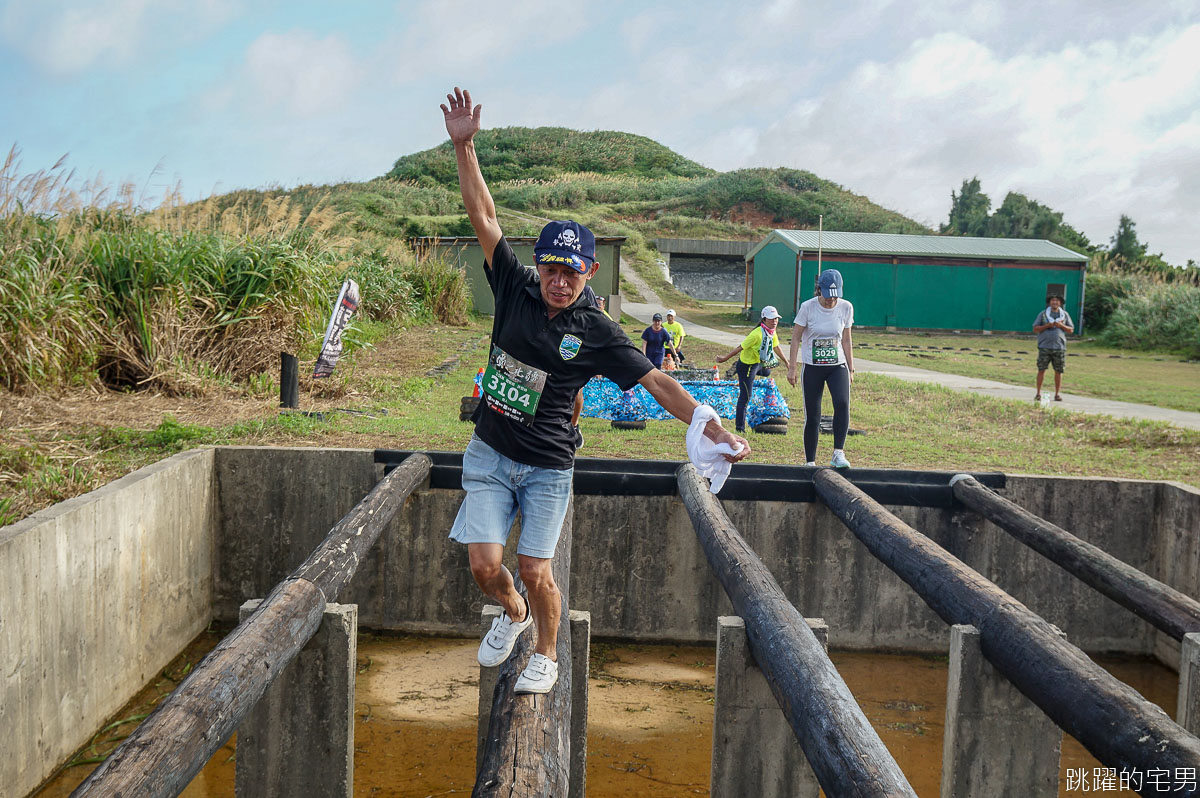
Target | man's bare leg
(494,579)
(545,601)
(1041,376)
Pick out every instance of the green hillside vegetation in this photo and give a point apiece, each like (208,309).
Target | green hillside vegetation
(638,181)
(617,183)
(545,153)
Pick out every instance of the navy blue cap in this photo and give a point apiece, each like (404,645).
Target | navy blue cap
(567,243)
(830,283)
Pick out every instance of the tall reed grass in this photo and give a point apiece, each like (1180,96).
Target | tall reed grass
(159,299)
(1143,304)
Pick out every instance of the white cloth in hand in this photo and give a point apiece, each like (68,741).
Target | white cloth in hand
(706,456)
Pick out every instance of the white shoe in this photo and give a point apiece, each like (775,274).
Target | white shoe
(498,643)
(539,675)
(839,460)
(811,464)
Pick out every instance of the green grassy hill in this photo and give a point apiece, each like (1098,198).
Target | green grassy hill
(622,178)
(546,153)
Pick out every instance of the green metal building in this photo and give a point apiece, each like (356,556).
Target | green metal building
(919,282)
(467,254)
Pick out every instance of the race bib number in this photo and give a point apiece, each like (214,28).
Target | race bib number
(824,352)
(512,388)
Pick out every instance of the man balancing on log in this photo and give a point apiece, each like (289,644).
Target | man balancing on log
(548,339)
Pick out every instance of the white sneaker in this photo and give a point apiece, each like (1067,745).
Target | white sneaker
(839,459)
(498,643)
(539,675)
(811,463)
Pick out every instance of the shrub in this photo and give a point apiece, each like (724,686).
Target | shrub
(1165,316)
(1102,293)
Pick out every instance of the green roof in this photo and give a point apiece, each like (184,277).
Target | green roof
(1034,249)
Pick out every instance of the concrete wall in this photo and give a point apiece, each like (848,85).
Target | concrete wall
(640,572)
(1176,523)
(709,278)
(97,595)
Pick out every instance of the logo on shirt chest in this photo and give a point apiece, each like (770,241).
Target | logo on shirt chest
(569,347)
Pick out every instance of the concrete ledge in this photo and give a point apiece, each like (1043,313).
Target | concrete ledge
(97,595)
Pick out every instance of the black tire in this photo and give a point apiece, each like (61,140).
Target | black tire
(628,424)
(465,416)
(771,429)
(776,420)
(469,403)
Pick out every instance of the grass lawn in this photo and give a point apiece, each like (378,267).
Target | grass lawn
(909,425)
(1163,379)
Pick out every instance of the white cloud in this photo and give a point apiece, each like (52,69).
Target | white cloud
(462,37)
(299,73)
(68,36)
(1094,131)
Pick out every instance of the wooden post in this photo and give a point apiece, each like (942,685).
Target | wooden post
(843,749)
(289,380)
(1121,728)
(581,631)
(170,747)
(528,747)
(1163,606)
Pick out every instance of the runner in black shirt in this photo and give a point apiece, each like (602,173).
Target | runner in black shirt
(548,339)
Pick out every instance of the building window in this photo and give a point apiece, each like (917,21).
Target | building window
(1059,289)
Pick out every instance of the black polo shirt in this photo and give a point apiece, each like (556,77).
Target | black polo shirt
(537,364)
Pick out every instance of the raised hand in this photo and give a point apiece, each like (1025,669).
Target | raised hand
(462,119)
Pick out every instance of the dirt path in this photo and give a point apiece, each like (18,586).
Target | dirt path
(649,296)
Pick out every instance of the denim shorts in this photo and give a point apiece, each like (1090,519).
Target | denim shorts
(497,487)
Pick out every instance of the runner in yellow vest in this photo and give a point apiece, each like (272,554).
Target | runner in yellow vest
(676,331)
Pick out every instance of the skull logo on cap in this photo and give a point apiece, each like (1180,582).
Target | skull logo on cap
(568,239)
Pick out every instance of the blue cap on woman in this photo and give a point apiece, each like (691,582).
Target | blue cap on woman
(830,283)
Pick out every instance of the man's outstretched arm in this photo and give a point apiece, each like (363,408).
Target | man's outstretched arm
(462,123)
(679,403)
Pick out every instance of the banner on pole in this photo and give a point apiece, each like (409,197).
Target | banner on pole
(331,348)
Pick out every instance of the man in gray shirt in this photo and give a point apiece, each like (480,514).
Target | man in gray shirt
(1052,326)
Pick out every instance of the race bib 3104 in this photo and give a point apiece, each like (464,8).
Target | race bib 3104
(512,388)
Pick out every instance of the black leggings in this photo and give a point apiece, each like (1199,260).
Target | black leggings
(746,373)
(812,381)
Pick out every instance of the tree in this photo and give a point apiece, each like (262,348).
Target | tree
(1125,242)
(1021,217)
(968,210)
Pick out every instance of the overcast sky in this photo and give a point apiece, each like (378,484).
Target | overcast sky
(1091,107)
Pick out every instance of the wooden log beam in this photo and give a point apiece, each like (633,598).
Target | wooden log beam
(843,749)
(1121,728)
(169,748)
(527,751)
(1163,606)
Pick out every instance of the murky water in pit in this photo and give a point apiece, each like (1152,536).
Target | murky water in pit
(650,718)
